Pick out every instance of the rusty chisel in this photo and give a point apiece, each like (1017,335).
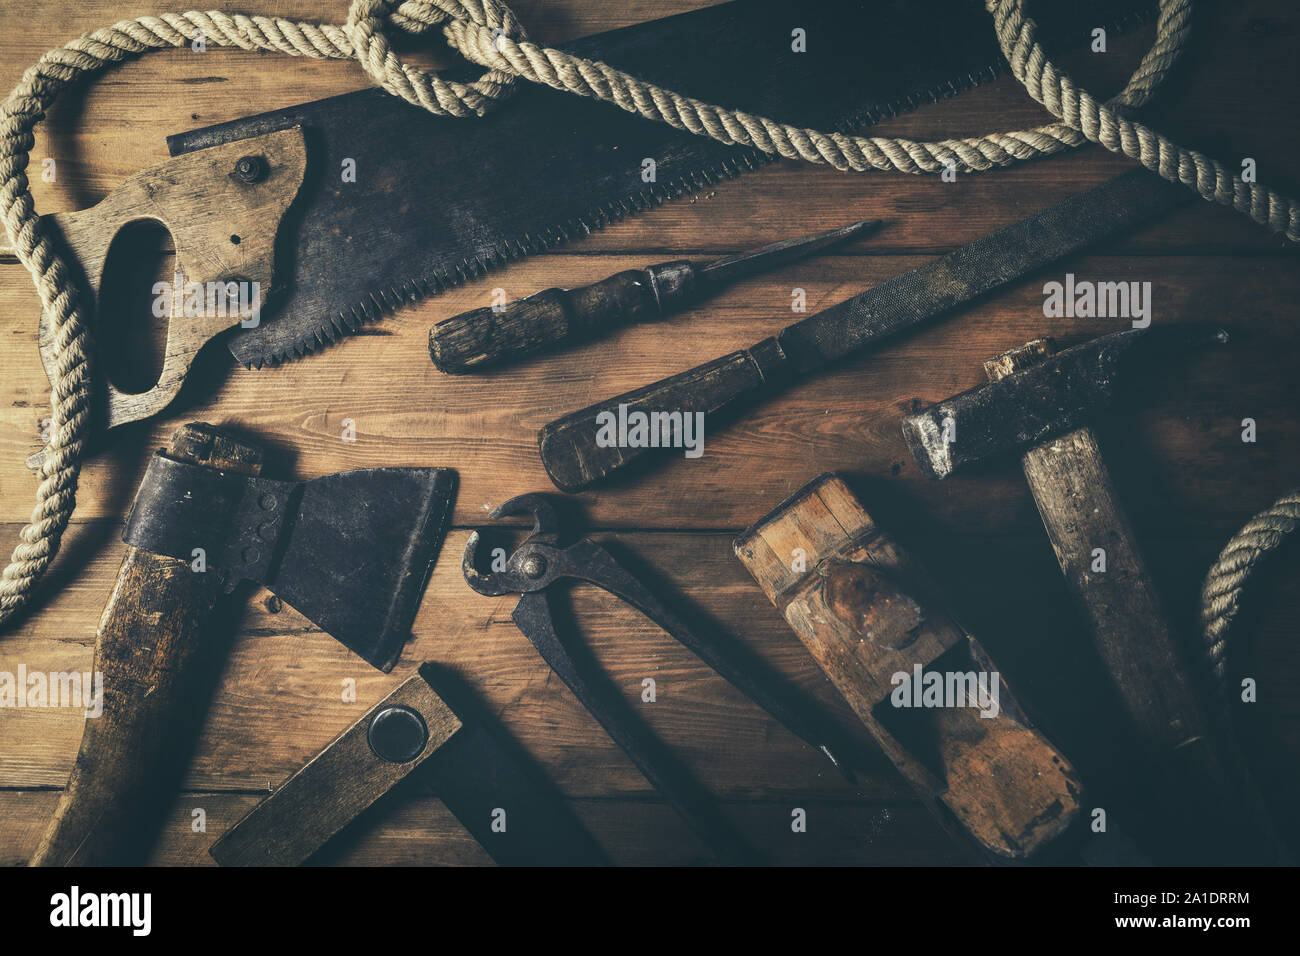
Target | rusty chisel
(497,334)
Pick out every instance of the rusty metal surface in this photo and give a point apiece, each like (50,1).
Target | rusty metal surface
(437,201)
(1051,398)
(350,551)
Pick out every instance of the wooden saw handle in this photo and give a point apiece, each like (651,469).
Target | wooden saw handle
(151,649)
(223,207)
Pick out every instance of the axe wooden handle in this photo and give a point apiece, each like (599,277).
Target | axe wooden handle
(152,644)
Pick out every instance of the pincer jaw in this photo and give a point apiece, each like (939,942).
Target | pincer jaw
(490,583)
(545,519)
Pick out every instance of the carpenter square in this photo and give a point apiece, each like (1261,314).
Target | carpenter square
(575,457)
(369,203)
(432,728)
(351,552)
(1040,403)
(497,334)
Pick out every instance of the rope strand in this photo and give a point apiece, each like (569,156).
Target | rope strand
(487,33)
(1221,593)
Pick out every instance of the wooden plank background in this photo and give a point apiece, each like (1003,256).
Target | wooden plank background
(1185,475)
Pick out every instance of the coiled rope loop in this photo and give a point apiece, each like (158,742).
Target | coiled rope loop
(487,33)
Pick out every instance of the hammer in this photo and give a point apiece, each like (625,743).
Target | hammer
(1038,402)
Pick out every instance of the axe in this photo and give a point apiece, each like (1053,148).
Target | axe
(350,551)
(1039,403)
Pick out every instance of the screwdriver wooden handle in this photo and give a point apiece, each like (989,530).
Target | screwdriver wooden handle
(575,449)
(152,648)
(498,334)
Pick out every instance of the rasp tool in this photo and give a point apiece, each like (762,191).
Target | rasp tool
(430,728)
(539,563)
(494,335)
(575,457)
(344,209)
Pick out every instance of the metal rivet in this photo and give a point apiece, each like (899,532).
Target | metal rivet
(250,555)
(250,169)
(534,566)
(397,734)
(267,502)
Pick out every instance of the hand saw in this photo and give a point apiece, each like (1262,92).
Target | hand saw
(370,203)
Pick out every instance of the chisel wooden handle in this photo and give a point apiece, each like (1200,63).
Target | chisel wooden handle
(151,649)
(492,335)
(574,449)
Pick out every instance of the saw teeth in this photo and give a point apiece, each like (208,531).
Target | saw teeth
(745,159)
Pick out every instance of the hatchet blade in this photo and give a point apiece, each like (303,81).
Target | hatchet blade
(392,518)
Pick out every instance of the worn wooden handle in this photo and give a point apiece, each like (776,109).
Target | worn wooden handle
(490,336)
(1197,761)
(153,643)
(223,207)
(867,614)
(588,445)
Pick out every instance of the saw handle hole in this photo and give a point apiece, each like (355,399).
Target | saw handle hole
(130,336)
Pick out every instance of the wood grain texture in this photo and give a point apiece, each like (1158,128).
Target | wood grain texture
(1178,462)
(867,613)
(154,653)
(224,231)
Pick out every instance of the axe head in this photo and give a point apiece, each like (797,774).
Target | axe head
(351,552)
(1053,397)
(360,552)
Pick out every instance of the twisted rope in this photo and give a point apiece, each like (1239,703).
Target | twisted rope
(486,33)
(1221,593)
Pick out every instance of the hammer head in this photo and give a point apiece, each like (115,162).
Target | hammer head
(1053,397)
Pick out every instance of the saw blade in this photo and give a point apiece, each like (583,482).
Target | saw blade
(399,204)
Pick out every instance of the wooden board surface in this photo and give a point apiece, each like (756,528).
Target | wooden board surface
(1179,464)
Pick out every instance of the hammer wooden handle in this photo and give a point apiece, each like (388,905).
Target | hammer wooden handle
(493,335)
(1199,764)
(153,643)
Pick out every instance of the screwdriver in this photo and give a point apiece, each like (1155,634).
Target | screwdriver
(495,335)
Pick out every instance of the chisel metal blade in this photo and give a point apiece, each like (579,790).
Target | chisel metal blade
(399,204)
